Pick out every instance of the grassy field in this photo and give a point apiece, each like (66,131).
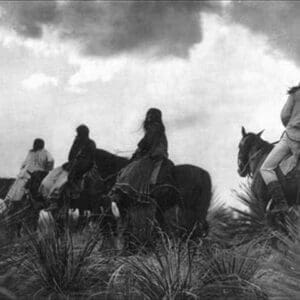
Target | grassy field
(245,256)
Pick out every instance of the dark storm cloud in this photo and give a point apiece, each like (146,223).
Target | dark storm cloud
(106,28)
(27,18)
(279,21)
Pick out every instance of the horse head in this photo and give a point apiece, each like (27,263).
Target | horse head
(249,142)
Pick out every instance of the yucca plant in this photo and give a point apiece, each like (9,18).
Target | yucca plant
(60,266)
(166,274)
(230,273)
(5,293)
(253,222)
(220,217)
(285,266)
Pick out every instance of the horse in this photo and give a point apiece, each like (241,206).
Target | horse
(253,151)
(194,188)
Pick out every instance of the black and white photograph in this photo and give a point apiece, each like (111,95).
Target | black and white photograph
(150,149)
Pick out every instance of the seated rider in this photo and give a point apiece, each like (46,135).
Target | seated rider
(80,161)
(149,167)
(38,161)
(81,156)
(289,143)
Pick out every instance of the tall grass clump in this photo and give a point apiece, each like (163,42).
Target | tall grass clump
(187,270)
(5,293)
(285,266)
(241,226)
(167,273)
(230,273)
(59,266)
(220,217)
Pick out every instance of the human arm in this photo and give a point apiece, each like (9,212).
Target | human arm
(287,110)
(49,162)
(25,162)
(74,150)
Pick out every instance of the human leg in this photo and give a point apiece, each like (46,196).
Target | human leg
(269,176)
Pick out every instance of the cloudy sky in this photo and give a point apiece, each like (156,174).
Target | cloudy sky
(210,66)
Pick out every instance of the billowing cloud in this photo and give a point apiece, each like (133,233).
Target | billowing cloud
(91,69)
(39,80)
(101,28)
(278,20)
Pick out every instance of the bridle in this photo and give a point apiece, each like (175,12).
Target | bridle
(254,155)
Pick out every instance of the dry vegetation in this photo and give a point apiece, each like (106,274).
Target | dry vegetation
(245,256)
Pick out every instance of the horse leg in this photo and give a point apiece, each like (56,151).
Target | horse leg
(81,219)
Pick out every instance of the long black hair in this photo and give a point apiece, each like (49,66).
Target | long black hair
(82,131)
(38,144)
(153,115)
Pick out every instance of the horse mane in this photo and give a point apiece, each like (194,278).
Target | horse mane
(266,146)
(109,163)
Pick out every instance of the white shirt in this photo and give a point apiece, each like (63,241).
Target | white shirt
(40,160)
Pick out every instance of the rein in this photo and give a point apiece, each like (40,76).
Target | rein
(254,155)
(96,175)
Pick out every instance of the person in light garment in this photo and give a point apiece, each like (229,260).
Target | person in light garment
(38,159)
(289,143)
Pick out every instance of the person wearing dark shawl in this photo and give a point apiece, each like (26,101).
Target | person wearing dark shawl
(82,154)
(80,160)
(149,166)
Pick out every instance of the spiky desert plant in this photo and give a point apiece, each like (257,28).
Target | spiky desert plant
(230,273)
(5,293)
(185,270)
(60,266)
(219,219)
(253,222)
(166,274)
(285,266)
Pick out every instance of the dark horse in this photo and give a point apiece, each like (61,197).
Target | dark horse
(194,187)
(253,150)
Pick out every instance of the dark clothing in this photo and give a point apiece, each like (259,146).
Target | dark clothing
(82,149)
(154,143)
(150,167)
(81,158)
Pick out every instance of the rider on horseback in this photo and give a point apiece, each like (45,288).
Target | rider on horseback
(80,160)
(38,160)
(149,166)
(81,156)
(289,143)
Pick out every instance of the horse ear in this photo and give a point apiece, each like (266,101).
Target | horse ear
(260,133)
(243,131)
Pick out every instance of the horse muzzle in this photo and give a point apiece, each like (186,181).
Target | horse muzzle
(115,210)
(242,169)
(242,172)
